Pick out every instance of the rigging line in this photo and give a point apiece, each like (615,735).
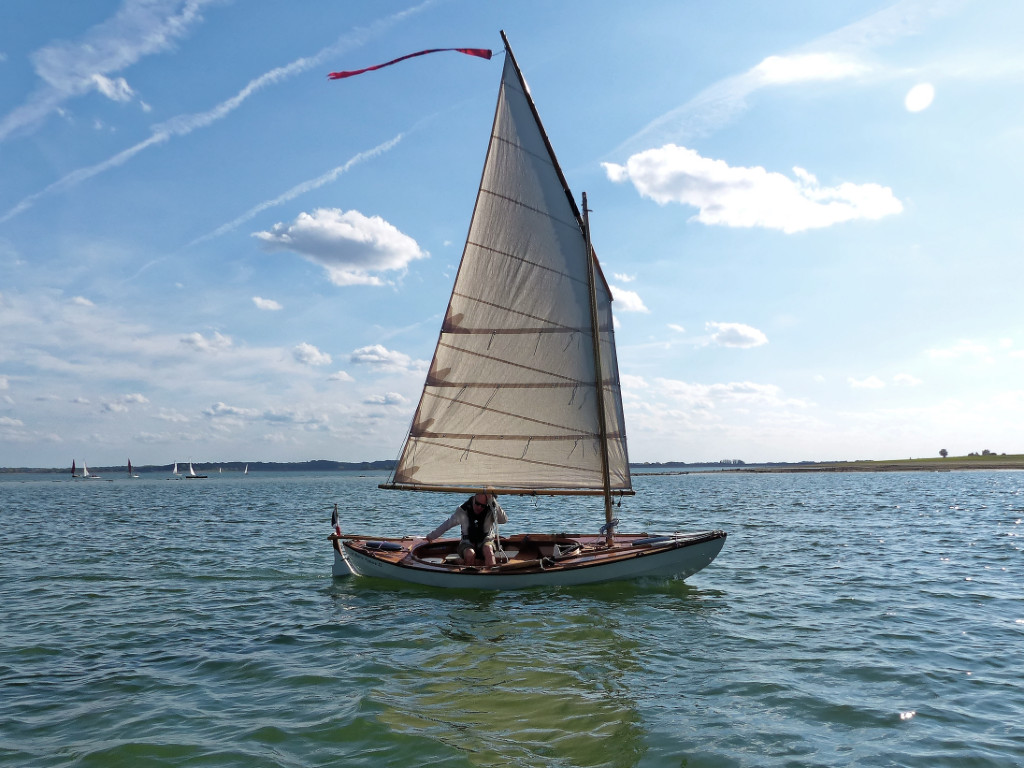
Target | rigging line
(494,394)
(452,400)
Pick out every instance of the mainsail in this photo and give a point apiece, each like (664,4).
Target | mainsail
(511,398)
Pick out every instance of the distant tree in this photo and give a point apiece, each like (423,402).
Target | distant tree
(943,453)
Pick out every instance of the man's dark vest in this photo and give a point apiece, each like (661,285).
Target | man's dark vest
(477,532)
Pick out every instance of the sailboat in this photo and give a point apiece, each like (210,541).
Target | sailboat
(523,395)
(86,475)
(73,475)
(246,470)
(131,472)
(192,474)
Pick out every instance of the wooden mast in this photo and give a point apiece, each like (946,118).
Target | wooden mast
(595,323)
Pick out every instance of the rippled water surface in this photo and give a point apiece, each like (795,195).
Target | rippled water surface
(861,619)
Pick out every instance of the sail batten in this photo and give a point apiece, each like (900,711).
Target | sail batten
(523,260)
(511,400)
(462,453)
(571,223)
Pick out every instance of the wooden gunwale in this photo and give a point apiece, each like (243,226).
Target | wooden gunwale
(594,553)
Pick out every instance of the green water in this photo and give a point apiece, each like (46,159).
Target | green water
(868,620)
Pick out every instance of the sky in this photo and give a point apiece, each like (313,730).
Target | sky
(809,214)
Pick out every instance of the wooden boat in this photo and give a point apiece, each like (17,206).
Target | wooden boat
(531,560)
(523,395)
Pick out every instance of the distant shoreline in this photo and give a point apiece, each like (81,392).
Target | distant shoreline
(950,464)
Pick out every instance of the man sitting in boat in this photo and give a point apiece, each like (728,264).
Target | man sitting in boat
(479,518)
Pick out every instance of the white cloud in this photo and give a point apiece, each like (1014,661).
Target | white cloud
(218,410)
(4,382)
(919,98)
(388,398)
(627,301)
(7,421)
(307,354)
(124,402)
(871,382)
(623,278)
(215,343)
(116,89)
(806,67)
(960,349)
(68,69)
(166,414)
(82,301)
(749,197)
(380,356)
(709,396)
(736,335)
(630,382)
(351,247)
(266,304)
(676,328)
(340,376)
(906,380)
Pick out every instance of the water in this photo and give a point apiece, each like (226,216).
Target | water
(861,620)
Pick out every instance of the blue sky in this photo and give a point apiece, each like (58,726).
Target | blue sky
(809,212)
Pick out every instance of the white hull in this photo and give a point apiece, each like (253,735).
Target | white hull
(682,557)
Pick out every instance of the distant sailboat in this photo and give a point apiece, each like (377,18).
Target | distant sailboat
(73,470)
(246,471)
(131,472)
(192,474)
(86,475)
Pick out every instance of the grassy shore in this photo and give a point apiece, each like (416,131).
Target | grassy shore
(937,464)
